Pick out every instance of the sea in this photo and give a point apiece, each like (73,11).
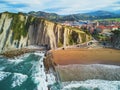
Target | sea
(94,77)
(27,72)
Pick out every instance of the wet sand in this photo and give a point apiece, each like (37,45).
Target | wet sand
(86,56)
(80,72)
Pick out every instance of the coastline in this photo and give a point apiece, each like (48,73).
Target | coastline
(82,72)
(87,64)
(73,55)
(74,64)
(18,52)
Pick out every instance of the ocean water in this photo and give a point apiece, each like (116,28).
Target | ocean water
(109,74)
(26,72)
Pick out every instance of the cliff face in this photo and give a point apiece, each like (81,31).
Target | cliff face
(11,31)
(18,30)
(116,39)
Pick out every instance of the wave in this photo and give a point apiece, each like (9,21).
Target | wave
(50,79)
(18,79)
(92,71)
(4,75)
(26,70)
(91,77)
(39,75)
(92,85)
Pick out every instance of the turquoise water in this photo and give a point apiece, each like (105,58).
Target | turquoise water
(25,73)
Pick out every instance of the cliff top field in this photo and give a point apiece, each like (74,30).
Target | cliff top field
(86,56)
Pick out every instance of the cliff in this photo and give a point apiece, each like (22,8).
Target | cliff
(116,39)
(18,30)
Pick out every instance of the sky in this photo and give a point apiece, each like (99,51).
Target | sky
(62,7)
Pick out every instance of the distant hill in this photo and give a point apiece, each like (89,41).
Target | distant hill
(49,16)
(101,13)
(117,12)
(74,17)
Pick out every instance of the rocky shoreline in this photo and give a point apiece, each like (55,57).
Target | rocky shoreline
(18,52)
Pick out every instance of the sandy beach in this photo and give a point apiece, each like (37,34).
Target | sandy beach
(84,64)
(86,56)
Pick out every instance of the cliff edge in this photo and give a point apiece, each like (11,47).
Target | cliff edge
(19,31)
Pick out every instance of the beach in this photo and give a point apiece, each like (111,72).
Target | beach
(87,64)
(86,56)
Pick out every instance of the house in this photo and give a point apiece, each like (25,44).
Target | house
(112,27)
(100,28)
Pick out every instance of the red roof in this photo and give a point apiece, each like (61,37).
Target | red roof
(101,27)
(111,27)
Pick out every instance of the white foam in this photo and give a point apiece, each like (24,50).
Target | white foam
(94,65)
(19,58)
(51,79)
(4,75)
(41,83)
(39,76)
(92,84)
(18,79)
(106,66)
(16,61)
(40,53)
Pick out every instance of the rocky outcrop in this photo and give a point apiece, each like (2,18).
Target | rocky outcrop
(116,39)
(18,30)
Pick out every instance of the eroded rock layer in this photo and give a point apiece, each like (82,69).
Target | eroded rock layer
(18,30)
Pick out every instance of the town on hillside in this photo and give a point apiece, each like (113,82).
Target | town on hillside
(101,30)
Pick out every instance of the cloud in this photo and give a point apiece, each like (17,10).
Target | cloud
(8,4)
(74,6)
(113,7)
(59,6)
(116,6)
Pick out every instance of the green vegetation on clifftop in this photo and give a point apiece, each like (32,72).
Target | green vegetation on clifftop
(19,26)
(41,31)
(73,38)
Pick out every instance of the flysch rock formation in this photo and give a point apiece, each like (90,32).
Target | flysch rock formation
(19,30)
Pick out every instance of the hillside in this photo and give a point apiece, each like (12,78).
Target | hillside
(19,30)
(80,16)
